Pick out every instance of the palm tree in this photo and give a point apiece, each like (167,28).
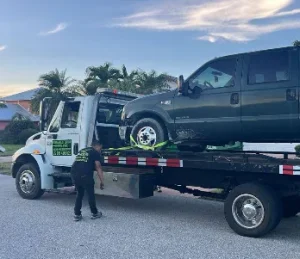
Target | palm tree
(100,77)
(85,88)
(54,84)
(152,82)
(127,81)
(296,43)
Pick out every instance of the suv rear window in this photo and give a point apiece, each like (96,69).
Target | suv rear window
(268,67)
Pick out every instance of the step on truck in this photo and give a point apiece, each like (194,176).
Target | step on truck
(258,188)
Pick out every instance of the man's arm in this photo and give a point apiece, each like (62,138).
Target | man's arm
(99,172)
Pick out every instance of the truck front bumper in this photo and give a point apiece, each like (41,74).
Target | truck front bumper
(123,132)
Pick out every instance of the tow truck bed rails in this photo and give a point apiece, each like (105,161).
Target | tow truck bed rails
(245,161)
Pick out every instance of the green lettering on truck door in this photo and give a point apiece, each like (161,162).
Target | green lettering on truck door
(62,147)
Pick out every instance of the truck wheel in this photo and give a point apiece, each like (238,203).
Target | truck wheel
(291,206)
(28,182)
(148,132)
(253,210)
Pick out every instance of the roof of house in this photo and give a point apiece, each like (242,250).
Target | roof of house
(10,110)
(24,96)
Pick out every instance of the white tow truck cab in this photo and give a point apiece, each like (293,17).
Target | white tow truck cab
(257,188)
(44,162)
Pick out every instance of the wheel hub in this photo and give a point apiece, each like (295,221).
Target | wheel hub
(248,211)
(146,136)
(27,181)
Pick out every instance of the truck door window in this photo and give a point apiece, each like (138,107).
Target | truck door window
(70,115)
(217,74)
(268,67)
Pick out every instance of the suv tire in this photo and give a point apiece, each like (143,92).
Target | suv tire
(148,132)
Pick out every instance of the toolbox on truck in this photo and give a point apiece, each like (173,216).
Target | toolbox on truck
(135,183)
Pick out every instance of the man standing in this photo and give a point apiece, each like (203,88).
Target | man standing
(87,160)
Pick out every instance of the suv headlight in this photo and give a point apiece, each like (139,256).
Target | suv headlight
(123,115)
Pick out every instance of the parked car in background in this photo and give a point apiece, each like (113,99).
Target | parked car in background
(2,149)
(248,97)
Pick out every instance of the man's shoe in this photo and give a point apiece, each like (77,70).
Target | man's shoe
(77,217)
(96,216)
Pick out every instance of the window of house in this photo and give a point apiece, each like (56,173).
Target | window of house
(268,67)
(70,115)
(217,74)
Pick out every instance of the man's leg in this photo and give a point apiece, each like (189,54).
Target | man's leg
(92,200)
(79,197)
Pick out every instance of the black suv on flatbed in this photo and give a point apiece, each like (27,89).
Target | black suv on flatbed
(250,97)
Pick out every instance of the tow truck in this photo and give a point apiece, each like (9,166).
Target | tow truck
(258,188)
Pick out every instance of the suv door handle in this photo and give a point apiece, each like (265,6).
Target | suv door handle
(291,94)
(235,98)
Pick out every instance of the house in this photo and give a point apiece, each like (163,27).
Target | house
(9,110)
(23,99)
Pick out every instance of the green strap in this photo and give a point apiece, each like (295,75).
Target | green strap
(136,145)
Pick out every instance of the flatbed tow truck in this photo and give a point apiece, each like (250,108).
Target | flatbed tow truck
(257,188)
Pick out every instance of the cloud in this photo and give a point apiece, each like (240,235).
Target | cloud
(2,47)
(233,20)
(59,27)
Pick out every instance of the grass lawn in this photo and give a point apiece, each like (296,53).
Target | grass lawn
(10,149)
(5,168)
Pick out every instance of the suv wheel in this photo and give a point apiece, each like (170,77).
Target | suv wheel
(148,132)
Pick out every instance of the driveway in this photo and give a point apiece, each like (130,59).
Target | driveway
(164,226)
(5,159)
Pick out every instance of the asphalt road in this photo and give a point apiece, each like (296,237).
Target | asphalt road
(165,226)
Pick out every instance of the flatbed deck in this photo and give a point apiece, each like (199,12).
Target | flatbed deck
(240,161)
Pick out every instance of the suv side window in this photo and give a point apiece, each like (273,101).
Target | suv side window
(216,74)
(268,67)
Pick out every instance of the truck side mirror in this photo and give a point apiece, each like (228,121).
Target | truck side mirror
(45,106)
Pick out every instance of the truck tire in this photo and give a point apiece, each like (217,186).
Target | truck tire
(148,132)
(291,206)
(253,209)
(28,182)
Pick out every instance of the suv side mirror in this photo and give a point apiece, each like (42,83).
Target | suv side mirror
(182,86)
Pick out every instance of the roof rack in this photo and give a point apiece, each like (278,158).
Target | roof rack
(117,92)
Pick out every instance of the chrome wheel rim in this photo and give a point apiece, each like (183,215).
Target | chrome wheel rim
(27,181)
(146,136)
(248,211)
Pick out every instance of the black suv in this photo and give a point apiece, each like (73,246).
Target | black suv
(249,97)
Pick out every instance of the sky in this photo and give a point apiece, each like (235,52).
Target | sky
(172,36)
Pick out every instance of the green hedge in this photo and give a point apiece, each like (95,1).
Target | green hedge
(17,132)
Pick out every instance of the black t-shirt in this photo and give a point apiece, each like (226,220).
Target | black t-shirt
(84,166)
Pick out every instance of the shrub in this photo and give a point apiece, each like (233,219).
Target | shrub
(7,138)
(25,134)
(297,149)
(14,129)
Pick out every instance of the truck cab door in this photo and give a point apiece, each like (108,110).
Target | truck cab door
(63,134)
